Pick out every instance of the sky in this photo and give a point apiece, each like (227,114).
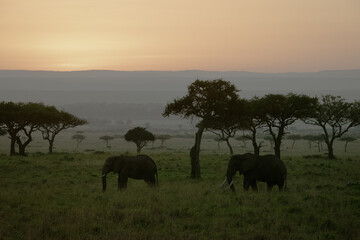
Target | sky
(169,35)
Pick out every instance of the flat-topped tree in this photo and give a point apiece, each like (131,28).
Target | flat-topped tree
(347,139)
(204,101)
(335,116)
(163,138)
(55,121)
(12,121)
(140,136)
(106,139)
(280,111)
(79,138)
(294,138)
(20,120)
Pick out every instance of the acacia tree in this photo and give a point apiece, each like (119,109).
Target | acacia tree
(279,111)
(106,138)
(33,113)
(20,120)
(11,121)
(347,139)
(79,138)
(162,138)
(335,116)
(55,121)
(317,139)
(140,136)
(204,101)
(293,138)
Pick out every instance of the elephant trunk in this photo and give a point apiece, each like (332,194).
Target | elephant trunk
(104,182)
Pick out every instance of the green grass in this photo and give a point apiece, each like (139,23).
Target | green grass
(59,197)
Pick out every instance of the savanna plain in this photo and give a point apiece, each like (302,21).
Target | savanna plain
(58,196)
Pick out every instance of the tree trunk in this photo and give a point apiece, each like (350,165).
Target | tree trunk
(12,146)
(330,150)
(346,145)
(277,144)
(292,147)
(22,146)
(51,144)
(138,149)
(256,149)
(230,148)
(195,153)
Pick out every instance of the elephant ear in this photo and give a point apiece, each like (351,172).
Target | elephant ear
(248,163)
(118,163)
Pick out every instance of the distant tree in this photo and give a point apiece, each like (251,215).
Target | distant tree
(106,139)
(347,139)
(317,139)
(244,139)
(163,138)
(78,138)
(218,141)
(293,138)
(280,111)
(270,139)
(204,101)
(335,116)
(56,121)
(140,136)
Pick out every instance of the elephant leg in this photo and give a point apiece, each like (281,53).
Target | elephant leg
(246,184)
(281,187)
(254,186)
(151,180)
(122,181)
(269,186)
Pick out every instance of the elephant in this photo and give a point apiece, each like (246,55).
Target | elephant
(267,168)
(136,167)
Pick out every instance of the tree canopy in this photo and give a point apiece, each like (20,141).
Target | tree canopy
(20,120)
(335,116)
(279,111)
(140,136)
(206,101)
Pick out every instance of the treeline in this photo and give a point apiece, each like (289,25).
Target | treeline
(219,109)
(21,120)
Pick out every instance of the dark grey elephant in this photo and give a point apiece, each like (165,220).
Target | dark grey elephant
(267,168)
(137,167)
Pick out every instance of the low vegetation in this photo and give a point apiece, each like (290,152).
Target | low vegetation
(59,196)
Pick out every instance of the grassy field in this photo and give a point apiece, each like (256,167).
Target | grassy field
(59,197)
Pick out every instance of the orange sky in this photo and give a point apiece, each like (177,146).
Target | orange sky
(243,35)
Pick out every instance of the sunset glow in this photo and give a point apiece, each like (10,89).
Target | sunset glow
(262,36)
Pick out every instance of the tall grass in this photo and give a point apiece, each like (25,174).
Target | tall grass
(59,197)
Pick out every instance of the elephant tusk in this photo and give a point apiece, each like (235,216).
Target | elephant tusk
(102,176)
(222,185)
(231,183)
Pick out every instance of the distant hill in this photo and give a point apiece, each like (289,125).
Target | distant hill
(108,99)
(162,86)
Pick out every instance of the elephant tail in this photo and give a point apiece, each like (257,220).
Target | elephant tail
(157,177)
